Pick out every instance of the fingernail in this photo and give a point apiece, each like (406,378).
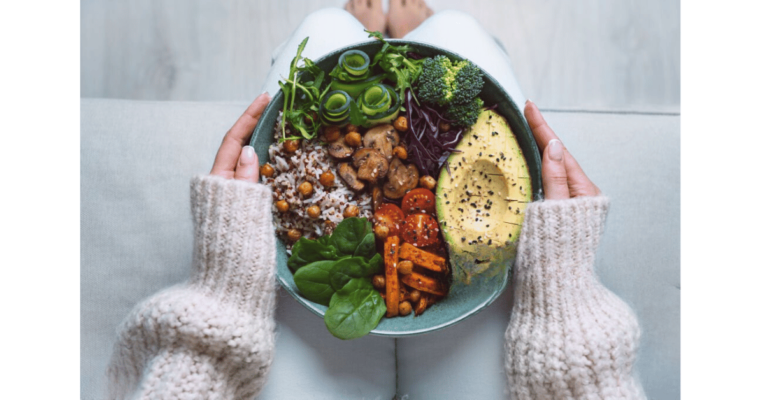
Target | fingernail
(556,150)
(527,101)
(248,156)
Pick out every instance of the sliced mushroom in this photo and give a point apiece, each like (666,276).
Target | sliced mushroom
(371,164)
(383,138)
(347,172)
(339,148)
(377,197)
(401,179)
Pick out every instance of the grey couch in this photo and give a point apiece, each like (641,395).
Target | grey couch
(136,161)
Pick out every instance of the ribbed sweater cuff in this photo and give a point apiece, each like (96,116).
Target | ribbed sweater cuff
(560,237)
(234,258)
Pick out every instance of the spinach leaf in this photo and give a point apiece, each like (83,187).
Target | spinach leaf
(313,281)
(349,234)
(325,240)
(366,247)
(306,251)
(376,264)
(349,268)
(354,310)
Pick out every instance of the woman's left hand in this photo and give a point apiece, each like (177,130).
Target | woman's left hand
(562,175)
(234,160)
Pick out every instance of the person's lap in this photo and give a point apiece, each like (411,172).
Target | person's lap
(329,29)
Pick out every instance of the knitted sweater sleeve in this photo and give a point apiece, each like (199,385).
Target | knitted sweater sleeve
(213,336)
(569,337)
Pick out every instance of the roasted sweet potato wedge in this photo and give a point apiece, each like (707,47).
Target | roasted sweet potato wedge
(392,285)
(422,258)
(421,305)
(423,283)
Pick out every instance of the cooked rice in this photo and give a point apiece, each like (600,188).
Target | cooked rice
(307,164)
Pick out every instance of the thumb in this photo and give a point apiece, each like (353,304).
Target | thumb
(248,165)
(553,171)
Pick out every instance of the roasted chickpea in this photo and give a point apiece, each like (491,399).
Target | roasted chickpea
(327,179)
(305,189)
(267,170)
(292,145)
(381,231)
(332,133)
(354,139)
(351,211)
(405,267)
(400,152)
(404,308)
(414,295)
(444,127)
(282,206)
(294,235)
(378,281)
(352,128)
(313,211)
(401,124)
(428,182)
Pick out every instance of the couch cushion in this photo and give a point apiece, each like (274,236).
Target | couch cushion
(136,161)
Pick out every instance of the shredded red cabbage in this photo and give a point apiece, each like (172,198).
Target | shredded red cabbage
(428,148)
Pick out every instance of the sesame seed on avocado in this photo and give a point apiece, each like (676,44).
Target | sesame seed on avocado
(485,240)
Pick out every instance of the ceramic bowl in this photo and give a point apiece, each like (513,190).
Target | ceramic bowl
(463,300)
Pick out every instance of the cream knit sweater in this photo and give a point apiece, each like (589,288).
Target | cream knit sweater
(213,337)
(569,337)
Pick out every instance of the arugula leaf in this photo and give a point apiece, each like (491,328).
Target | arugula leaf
(355,115)
(375,34)
(403,70)
(354,310)
(313,281)
(294,63)
(301,97)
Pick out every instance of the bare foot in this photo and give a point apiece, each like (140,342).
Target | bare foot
(368,12)
(405,15)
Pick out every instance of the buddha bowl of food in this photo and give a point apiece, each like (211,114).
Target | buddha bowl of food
(400,173)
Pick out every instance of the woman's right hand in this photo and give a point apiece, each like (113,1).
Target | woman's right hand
(562,175)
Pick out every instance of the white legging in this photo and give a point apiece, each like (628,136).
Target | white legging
(332,28)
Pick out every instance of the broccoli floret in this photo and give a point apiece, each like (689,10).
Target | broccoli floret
(469,82)
(444,83)
(465,114)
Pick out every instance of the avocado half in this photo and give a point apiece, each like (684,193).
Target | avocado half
(481,198)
